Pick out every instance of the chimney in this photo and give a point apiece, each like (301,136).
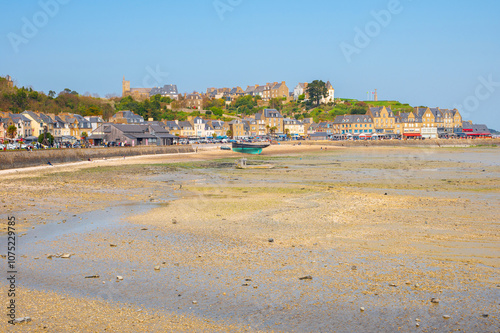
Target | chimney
(283,83)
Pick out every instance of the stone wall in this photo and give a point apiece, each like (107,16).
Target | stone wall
(405,143)
(20,159)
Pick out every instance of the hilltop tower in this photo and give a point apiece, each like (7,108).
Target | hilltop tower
(376,96)
(125,87)
(10,83)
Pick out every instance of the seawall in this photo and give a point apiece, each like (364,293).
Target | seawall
(405,143)
(11,159)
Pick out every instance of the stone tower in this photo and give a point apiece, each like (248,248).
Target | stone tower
(125,87)
(376,96)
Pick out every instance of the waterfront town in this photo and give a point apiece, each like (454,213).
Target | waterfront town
(126,128)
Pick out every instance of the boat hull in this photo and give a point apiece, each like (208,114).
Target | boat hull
(248,148)
(253,151)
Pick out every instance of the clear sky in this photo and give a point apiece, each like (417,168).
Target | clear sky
(431,53)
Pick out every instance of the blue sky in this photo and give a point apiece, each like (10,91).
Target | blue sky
(432,53)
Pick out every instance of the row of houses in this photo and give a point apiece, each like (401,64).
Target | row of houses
(29,125)
(195,99)
(125,127)
(421,122)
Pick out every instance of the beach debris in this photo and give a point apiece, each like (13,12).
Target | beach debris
(446,317)
(362,309)
(92,277)
(66,256)
(417,285)
(354,268)
(392,285)
(485,315)
(174,221)
(195,302)
(417,325)
(408,282)
(22,320)
(245,285)
(270,240)
(157,268)
(144,229)
(119,278)
(435,300)
(307,277)
(248,279)
(113,245)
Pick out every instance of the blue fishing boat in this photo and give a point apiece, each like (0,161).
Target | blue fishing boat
(249,148)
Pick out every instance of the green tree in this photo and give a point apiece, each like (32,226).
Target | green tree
(229,133)
(52,93)
(317,90)
(217,111)
(11,131)
(93,111)
(246,103)
(50,138)
(302,97)
(358,110)
(275,103)
(167,100)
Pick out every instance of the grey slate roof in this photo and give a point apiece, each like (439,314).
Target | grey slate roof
(173,125)
(130,116)
(376,111)
(353,118)
(476,128)
(166,90)
(272,113)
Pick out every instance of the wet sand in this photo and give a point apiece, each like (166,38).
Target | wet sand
(384,229)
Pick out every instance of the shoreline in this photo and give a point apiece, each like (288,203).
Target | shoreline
(209,152)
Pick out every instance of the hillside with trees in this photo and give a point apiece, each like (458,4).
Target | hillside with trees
(17,100)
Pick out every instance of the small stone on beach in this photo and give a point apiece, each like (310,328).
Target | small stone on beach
(307,277)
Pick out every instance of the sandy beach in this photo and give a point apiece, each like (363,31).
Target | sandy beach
(326,239)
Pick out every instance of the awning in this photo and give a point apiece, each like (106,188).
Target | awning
(96,137)
(412,134)
(479,134)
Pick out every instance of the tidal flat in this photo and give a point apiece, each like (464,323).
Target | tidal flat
(327,240)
